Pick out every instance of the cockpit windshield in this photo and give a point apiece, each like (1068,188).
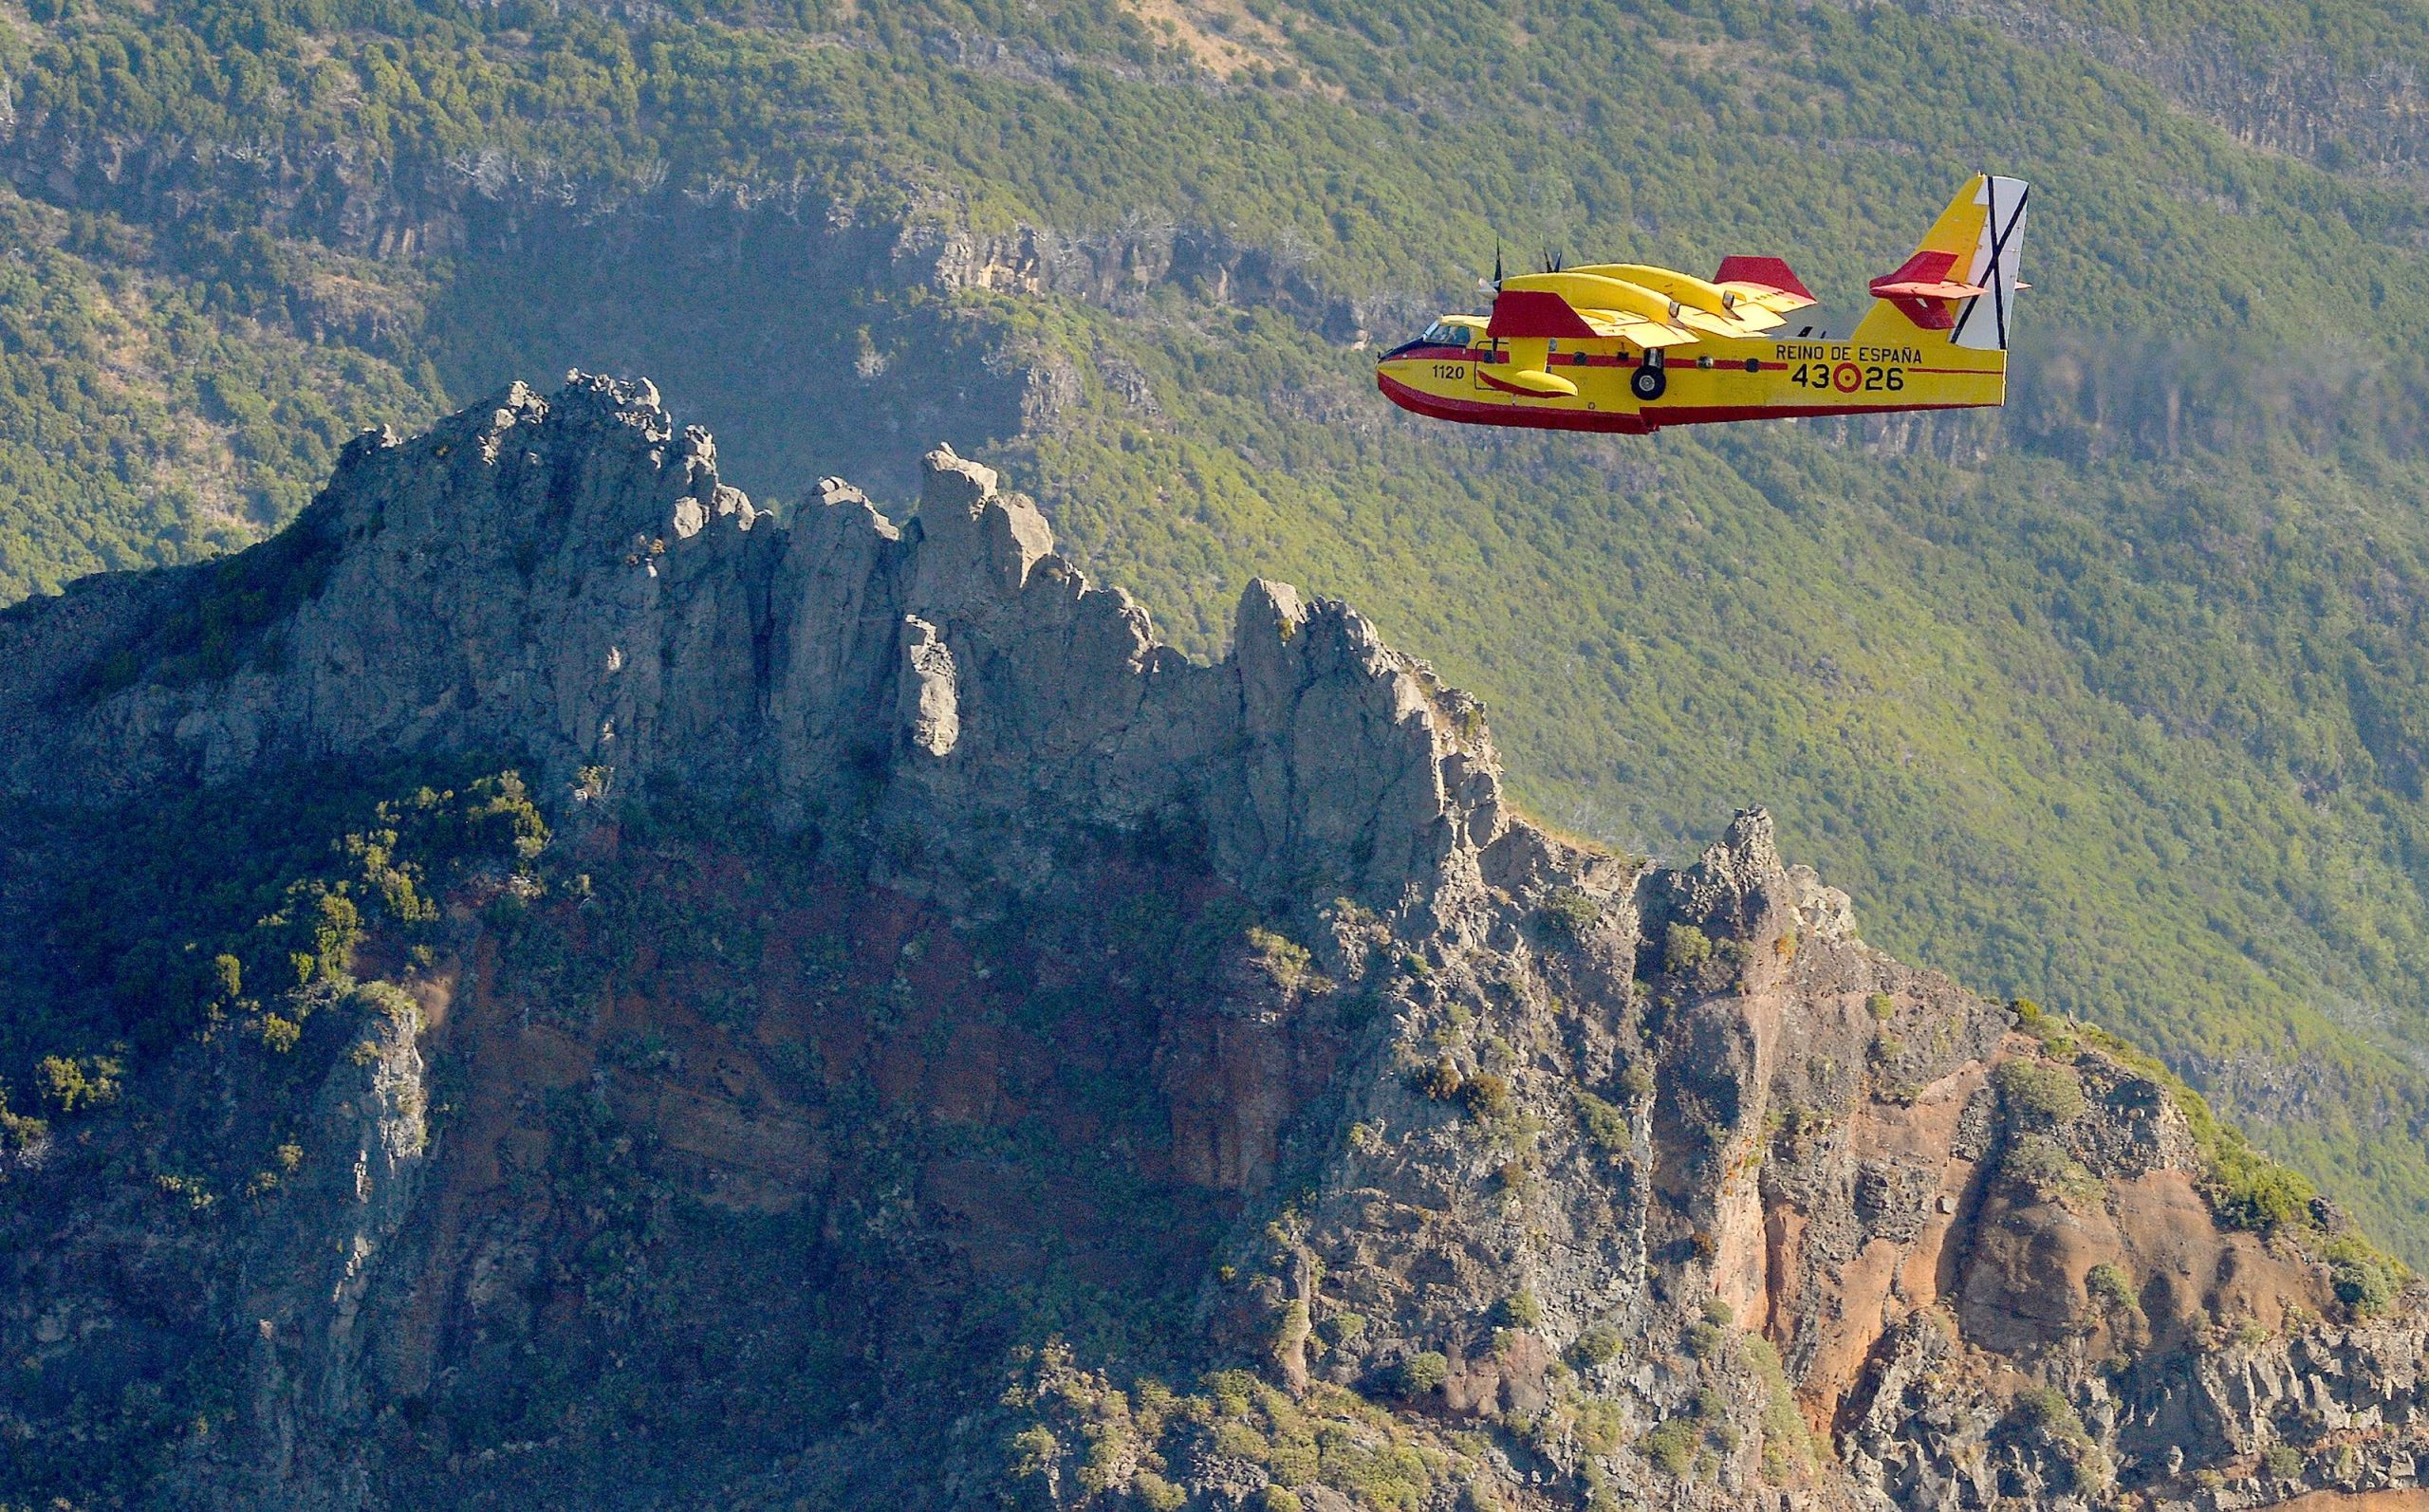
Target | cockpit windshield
(1445,332)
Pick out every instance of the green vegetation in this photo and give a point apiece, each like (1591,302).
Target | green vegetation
(2046,1409)
(1601,1426)
(2365,1278)
(69,1083)
(1442,1081)
(1423,1373)
(227,614)
(1599,1344)
(1568,913)
(1704,1340)
(2111,1289)
(1606,1124)
(1328,1438)
(1158,1494)
(1670,1447)
(20,1134)
(2043,1413)
(143,419)
(1486,1095)
(1684,948)
(2038,1090)
(170,921)
(1636,1080)
(1284,963)
(2039,1164)
(1788,1446)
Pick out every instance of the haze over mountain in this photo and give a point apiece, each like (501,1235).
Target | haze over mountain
(2112,700)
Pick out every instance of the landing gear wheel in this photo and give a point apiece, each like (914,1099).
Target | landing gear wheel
(1649,382)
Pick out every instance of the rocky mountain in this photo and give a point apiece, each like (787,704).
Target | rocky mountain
(544,984)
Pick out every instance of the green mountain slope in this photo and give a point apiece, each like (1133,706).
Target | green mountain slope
(2109,700)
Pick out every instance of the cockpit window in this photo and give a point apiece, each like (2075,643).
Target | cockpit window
(1442,333)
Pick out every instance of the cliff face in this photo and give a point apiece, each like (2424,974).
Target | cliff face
(904,1036)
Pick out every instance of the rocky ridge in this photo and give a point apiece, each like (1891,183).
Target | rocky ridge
(569,577)
(1523,1174)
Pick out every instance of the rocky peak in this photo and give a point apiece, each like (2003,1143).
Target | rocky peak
(979,546)
(569,576)
(1739,876)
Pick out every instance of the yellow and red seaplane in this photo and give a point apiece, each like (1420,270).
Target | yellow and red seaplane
(1631,348)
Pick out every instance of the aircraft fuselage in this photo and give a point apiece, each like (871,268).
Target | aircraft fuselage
(1715,379)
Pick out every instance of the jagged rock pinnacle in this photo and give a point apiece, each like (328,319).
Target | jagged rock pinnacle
(570,576)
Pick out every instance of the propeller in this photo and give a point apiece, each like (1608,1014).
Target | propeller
(1551,262)
(1496,265)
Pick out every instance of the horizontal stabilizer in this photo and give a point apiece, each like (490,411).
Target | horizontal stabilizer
(1924,276)
(1520,313)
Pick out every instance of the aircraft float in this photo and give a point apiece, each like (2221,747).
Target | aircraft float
(1631,348)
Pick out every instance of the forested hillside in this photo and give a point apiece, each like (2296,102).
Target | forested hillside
(2113,700)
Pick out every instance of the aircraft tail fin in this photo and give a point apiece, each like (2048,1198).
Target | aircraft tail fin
(1961,280)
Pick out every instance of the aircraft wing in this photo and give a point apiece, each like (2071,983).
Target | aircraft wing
(1521,314)
(1630,310)
(1768,283)
(1642,332)
(1650,306)
(1697,303)
(1524,313)
(1532,311)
